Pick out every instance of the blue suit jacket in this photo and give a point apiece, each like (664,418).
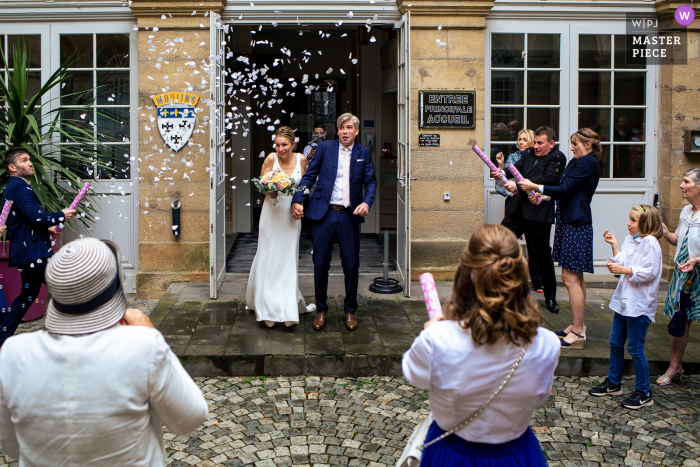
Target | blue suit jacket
(28,223)
(575,189)
(324,165)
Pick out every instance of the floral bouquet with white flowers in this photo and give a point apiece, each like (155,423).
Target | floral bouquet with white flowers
(276,181)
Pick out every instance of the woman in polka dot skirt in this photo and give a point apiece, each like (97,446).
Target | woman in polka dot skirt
(573,234)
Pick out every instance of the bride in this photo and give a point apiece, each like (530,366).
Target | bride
(273,284)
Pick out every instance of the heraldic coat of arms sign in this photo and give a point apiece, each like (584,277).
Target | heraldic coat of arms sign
(176,117)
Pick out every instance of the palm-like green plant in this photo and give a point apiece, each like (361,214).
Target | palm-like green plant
(62,148)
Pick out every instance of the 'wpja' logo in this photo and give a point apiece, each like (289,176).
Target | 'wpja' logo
(684,15)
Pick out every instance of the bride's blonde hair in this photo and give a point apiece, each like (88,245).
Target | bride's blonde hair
(288,134)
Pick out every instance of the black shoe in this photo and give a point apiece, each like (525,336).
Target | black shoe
(552,306)
(606,389)
(638,400)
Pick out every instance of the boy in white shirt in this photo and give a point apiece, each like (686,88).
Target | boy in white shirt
(634,302)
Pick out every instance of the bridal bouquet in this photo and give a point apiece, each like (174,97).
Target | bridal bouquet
(275,181)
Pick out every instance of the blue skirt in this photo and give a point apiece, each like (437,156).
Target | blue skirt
(454,451)
(573,246)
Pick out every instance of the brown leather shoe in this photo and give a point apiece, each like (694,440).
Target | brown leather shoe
(350,321)
(320,321)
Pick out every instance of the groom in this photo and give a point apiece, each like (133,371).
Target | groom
(338,207)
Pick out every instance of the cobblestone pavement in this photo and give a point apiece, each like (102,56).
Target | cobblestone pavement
(325,421)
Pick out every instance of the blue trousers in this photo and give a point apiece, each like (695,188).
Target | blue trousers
(336,225)
(32,278)
(634,331)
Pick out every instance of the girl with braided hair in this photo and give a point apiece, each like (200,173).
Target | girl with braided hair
(463,356)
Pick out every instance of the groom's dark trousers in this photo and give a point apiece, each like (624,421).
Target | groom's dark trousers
(331,222)
(336,224)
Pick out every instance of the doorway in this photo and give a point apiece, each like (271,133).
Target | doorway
(297,76)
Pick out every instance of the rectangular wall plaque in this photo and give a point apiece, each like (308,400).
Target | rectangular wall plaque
(447,109)
(429,139)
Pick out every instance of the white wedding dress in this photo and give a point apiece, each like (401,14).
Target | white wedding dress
(273,284)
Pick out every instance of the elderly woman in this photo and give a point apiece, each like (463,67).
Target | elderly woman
(573,234)
(526,139)
(687,240)
(490,322)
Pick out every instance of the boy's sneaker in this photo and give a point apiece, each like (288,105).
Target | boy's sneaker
(638,400)
(606,389)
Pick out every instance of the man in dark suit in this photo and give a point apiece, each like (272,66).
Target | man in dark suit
(544,164)
(344,193)
(29,227)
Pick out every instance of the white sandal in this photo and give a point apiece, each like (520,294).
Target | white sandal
(667,378)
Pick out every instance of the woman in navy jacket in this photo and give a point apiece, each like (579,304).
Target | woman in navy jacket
(573,234)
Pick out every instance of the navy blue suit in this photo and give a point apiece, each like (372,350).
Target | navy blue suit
(575,189)
(30,246)
(330,224)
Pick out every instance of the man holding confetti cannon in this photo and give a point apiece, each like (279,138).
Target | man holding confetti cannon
(29,228)
(545,164)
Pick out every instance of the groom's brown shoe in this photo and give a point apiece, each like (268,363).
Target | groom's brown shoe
(350,321)
(320,321)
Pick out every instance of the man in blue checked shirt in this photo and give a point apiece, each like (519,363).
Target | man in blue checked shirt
(29,227)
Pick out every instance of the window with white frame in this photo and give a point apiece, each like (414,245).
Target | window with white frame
(100,79)
(612,101)
(525,73)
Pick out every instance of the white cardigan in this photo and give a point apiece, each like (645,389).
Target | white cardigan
(98,399)
(688,226)
(462,376)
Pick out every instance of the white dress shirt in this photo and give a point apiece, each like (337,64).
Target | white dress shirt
(94,400)
(462,376)
(337,195)
(636,295)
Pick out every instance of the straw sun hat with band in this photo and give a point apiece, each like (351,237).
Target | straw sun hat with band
(84,279)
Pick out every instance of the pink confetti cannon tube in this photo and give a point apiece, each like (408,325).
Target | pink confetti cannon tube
(5,212)
(81,194)
(519,177)
(430,295)
(488,162)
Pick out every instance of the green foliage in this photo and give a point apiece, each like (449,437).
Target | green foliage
(60,147)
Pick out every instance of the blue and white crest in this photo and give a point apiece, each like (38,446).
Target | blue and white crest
(176,123)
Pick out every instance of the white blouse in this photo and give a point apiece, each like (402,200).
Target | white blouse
(636,295)
(462,376)
(690,226)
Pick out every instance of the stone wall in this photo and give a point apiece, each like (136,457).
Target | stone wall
(679,100)
(174,58)
(441,229)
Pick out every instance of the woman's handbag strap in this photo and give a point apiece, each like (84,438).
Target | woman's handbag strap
(481,409)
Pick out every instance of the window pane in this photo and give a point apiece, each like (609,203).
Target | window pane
(543,117)
(628,161)
(543,51)
(77,122)
(112,51)
(630,88)
(594,88)
(117,162)
(597,120)
(506,123)
(79,48)
(543,87)
(507,87)
(33,45)
(604,162)
(594,51)
(113,124)
(506,148)
(80,170)
(113,88)
(625,60)
(506,50)
(78,89)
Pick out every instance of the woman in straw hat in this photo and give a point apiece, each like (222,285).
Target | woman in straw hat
(97,385)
